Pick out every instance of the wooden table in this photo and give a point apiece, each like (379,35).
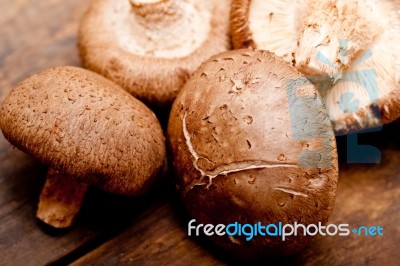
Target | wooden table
(113,230)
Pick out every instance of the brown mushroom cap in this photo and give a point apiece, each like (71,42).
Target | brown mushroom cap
(151,47)
(86,127)
(355,44)
(251,142)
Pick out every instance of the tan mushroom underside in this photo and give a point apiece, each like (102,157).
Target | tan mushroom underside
(362,84)
(150,49)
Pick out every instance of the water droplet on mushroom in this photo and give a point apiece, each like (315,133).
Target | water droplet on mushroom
(317,181)
(237,201)
(248,119)
(252,180)
(281,157)
(281,203)
(305,144)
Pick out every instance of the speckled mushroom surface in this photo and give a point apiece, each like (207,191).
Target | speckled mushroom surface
(151,47)
(252,142)
(86,127)
(354,44)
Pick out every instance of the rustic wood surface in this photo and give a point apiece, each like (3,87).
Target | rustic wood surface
(151,230)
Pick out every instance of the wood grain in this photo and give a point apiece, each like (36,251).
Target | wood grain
(151,230)
(34,35)
(367,195)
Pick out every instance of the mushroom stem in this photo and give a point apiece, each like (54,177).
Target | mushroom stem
(156,11)
(144,2)
(60,200)
(168,28)
(334,37)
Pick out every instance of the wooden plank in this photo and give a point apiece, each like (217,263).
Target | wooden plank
(24,239)
(158,238)
(367,195)
(34,35)
(39,34)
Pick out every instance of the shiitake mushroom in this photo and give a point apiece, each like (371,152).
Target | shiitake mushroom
(350,49)
(251,142)
(88,130)
(151,48)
